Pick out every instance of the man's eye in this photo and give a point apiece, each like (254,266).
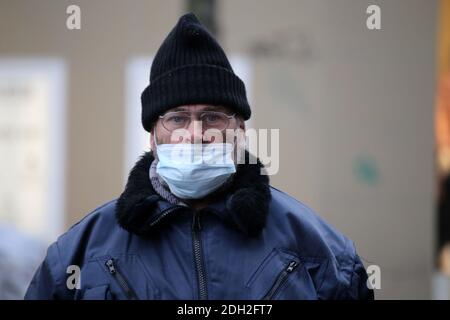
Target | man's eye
(177,119)
(212,118)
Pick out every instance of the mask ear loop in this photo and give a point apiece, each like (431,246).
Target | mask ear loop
(239,147)
(155,154)
(154,137)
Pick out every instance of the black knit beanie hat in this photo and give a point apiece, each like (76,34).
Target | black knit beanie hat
(190,67)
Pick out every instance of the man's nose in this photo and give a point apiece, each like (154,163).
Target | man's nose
(195,132)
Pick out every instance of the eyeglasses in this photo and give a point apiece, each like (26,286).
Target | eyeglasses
(210,120)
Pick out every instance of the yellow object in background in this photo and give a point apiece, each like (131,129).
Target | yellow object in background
(442,115)
(442,124)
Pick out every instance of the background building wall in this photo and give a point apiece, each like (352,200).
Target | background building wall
(355,112)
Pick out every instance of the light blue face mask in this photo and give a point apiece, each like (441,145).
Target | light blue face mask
(193,170)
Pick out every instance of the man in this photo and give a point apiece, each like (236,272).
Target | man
(188,226)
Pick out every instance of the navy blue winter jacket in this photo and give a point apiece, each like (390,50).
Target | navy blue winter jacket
(252,242)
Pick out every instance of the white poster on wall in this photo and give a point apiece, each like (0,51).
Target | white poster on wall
(32,146)
(137,73)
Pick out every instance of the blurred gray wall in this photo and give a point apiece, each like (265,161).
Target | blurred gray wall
(111,32)
(355,112)
(354,107)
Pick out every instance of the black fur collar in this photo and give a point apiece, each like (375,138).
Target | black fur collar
(139,208)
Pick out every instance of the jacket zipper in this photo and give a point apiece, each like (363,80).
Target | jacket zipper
(197,248)
(282,277)
(163,214)
(130,294)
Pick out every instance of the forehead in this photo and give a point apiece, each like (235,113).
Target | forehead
(200,107)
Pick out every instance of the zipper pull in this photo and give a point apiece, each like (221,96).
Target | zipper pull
(292,265)
(196,225)
(111,267)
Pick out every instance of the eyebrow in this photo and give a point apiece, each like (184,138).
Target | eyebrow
(215,108)
(178,109)
(207,108)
